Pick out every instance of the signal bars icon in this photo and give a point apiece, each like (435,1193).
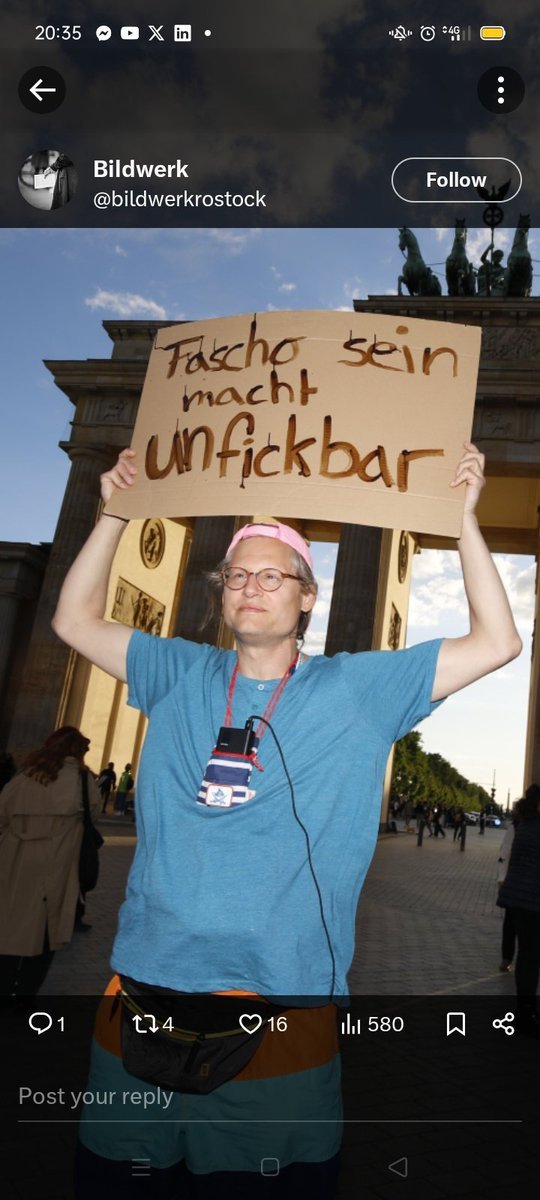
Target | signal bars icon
(349,1027)
(457,33)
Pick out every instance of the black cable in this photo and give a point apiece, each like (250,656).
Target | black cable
(249,725)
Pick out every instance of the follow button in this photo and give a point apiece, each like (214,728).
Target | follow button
(450,180)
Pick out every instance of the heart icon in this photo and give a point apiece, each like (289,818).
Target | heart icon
(250,1022)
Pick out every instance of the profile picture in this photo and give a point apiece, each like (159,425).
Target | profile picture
(47,179)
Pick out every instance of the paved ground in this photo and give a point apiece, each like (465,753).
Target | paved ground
(427,922)
(427,925)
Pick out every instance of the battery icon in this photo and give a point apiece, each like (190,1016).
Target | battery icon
(492,33)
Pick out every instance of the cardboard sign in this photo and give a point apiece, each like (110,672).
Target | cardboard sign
(353,417)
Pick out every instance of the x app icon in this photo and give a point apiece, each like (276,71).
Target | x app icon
(155,33)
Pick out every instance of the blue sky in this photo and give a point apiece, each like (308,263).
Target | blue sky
(59,285)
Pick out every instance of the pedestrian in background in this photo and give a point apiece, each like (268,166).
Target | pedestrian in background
(41,830)
(520,892)
(437,827)
(407,816)
(508,931)
(125,785)
(106,783)
(459,824)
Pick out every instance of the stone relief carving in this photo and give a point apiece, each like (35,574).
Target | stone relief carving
(394,629)
(136,608)
(494,423)
(152,543)
(115,411)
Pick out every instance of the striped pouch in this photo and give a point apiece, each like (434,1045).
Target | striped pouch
(226,779)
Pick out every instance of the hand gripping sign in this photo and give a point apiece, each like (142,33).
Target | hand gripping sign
(356,417)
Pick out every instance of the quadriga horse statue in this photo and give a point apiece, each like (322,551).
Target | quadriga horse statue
(519,272)
(417,277)
(460,276)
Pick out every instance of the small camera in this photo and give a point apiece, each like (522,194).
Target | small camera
(237,741)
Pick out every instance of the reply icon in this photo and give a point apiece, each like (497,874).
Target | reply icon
(455,1023)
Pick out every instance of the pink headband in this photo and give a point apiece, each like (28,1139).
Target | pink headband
(283,533)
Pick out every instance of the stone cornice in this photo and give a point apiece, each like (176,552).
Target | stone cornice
(78,378)
(22,565)
(462,309)
(135,330)
(101,452)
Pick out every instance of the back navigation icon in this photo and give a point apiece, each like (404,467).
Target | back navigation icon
(400,1167)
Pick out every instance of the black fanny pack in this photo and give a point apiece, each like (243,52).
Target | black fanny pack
(186,1042)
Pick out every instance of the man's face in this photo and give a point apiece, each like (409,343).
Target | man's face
(255,616)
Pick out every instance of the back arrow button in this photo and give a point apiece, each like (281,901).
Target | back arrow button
(400,1167)
(42,89)
(38,89)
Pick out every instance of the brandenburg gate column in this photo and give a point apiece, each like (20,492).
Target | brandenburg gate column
(370,600)
(211,539)
(354,596)
(48,662)
(105,396)
(532,750)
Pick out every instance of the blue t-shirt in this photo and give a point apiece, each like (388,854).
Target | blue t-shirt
(224,898)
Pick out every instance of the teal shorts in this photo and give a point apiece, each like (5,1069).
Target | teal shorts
(285,1105)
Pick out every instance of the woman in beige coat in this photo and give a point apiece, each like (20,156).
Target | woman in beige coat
(41,828)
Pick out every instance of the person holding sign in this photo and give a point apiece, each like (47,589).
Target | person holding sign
(258,810)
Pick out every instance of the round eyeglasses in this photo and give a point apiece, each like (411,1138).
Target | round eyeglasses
(269,579)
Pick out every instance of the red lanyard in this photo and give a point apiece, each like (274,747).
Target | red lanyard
(273,701)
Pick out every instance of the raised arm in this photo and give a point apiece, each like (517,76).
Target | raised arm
(79,617)
(493,639)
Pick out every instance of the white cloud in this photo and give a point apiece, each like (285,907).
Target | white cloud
(429,564)
(322,607)
(352,287)
(321,611)
(434,600)
(478,241)
(234,240)
(315,642)
(518,576)
(120,250)
(283,287)
(326,581)
(437,591)
(126,304)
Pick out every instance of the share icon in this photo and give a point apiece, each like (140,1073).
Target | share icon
(505,1023)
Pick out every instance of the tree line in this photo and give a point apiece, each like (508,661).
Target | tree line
(429,778)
